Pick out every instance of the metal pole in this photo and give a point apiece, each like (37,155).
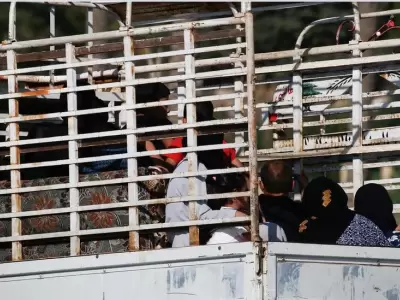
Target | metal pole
(297,114)
(13,128)
(131,139)
(12,24)
(73,152)
(90,43)
(252,127)
(52,35)
(190,89)
(357,106)
(16,224)
(239,88)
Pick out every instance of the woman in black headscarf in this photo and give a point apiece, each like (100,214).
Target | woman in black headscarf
(330,221)
(373,202)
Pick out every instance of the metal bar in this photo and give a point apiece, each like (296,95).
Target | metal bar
(122,59)
(335,63)
(340,19)
(12,22)
(190,92)
(239,89)
(252,117)
(124,229)
(119,156)
(116,34)
(131,139)
(339,151)
(52,35)
(16,205)
(357,106)
(120,108)
(260,56)
(214,61)
(90,30)
(167,79)
(73,152)
(121,181)
(123,131)
(140,44)
(331,122)
(120,205)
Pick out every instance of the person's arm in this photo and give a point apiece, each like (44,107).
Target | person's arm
(237,163)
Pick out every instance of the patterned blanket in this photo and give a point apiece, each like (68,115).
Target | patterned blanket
(50,248)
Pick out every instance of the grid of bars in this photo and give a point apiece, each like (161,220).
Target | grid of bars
(244,67)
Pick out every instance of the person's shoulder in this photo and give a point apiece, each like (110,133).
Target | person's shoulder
(361,220)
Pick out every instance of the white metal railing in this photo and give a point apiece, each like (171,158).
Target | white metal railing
(299,147)
(131,131)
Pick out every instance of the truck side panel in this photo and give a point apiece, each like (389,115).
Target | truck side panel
(333,272)
(209,272)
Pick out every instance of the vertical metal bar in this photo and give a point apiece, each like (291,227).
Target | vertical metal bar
(12,24)
(131,139)
(73,150)
(239,88)
(252,121)
(52,35)
(190,90)
(90,43)
(13,128)
(358,178)
(13,108)
(297,121)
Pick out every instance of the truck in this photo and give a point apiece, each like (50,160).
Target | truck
(99,236)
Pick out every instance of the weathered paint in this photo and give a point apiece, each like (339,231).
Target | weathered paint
(333,272)
(209,272)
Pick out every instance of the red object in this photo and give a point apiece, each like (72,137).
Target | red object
(178,143)
(273,117)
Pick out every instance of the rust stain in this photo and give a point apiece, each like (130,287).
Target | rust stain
(35,93)
(40,91)
(132,242)
(33,117)
(194,236)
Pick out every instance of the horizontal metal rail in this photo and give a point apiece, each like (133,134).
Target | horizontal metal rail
(133,58)
(199,63)
(123,132)
(119,205)
(83,184)
(121,108)
(121,156)
(159,226)
(116,34)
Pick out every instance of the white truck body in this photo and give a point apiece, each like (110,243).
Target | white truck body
(225,272)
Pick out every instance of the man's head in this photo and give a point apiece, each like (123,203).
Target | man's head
(152,92)
(276,178)
(204,112)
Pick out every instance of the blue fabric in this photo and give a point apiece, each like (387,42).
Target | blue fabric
(104,165)
(394,238)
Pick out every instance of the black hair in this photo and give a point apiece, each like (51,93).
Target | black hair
(212,159)
(225,183)
(204,111)
(151,92)
(277,177)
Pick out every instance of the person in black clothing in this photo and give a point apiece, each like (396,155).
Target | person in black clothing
(277,181)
